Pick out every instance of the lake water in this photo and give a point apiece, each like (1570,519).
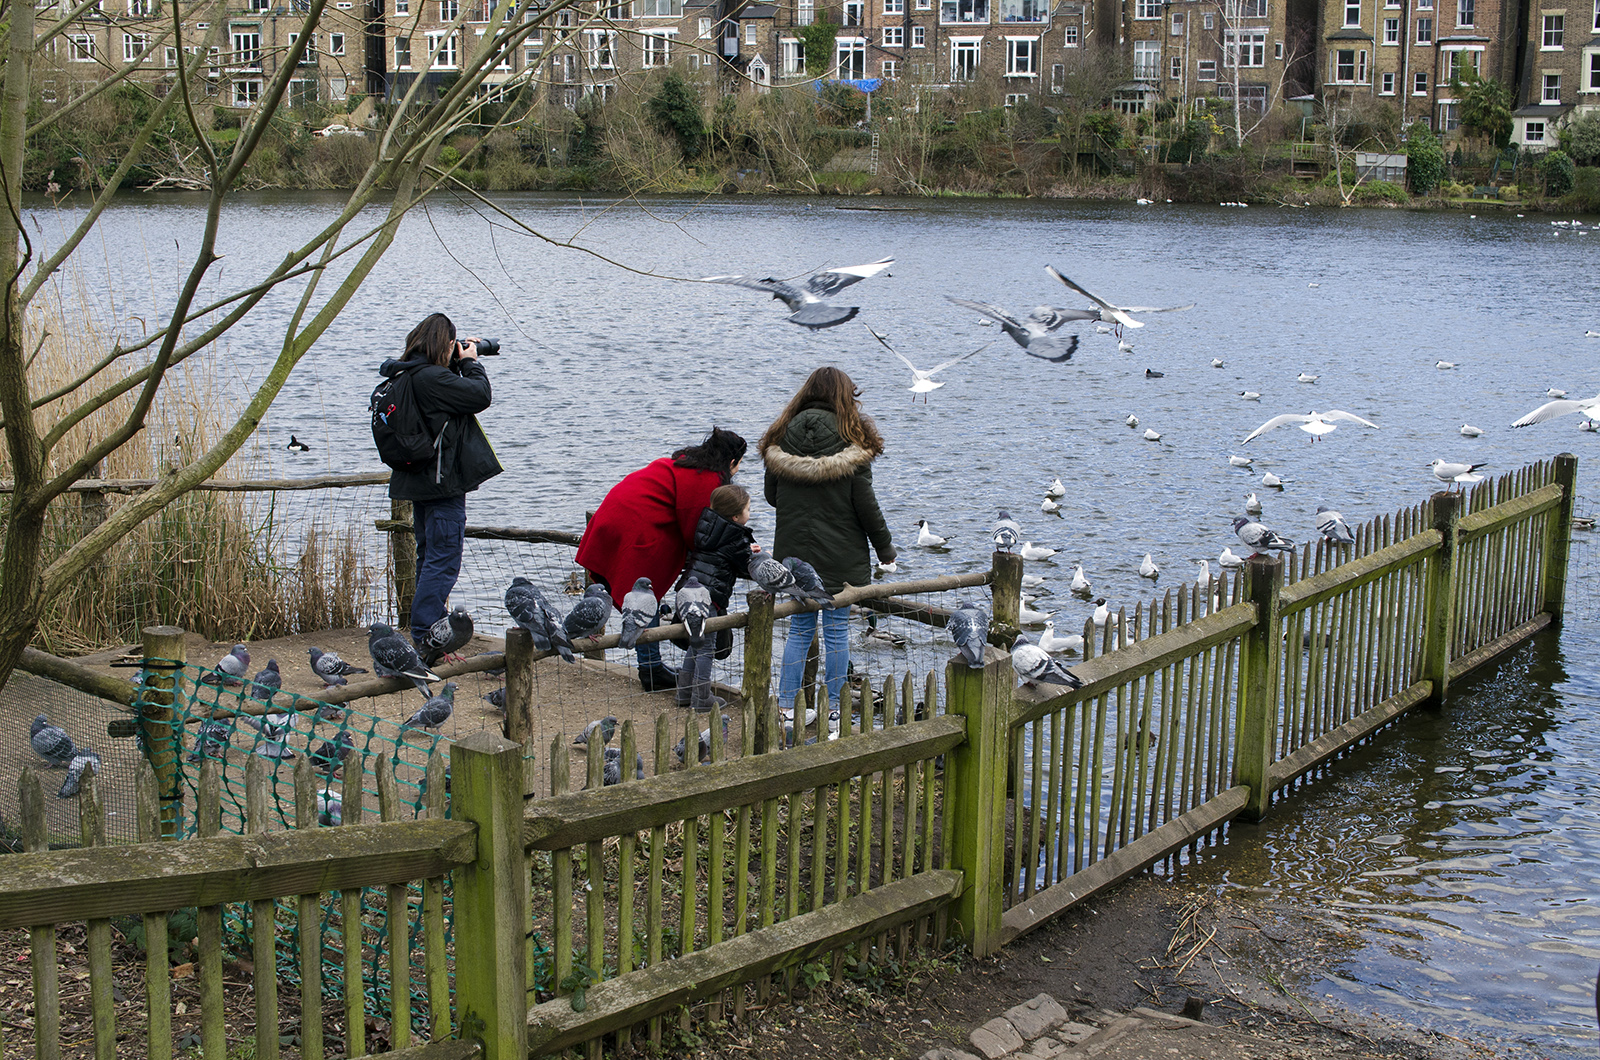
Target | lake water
(1460,851)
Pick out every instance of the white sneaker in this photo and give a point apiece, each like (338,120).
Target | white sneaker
(833,724)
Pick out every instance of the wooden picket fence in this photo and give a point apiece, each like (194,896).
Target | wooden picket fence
(717,883)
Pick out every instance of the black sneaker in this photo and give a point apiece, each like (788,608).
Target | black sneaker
(716,703)
(659,678)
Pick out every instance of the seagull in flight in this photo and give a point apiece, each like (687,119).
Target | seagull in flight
(1039,334)
(1315,424)
(805,300)
(1590,408)
(922,382)
(1114,314)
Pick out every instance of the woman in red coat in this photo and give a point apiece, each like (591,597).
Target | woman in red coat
(645,527)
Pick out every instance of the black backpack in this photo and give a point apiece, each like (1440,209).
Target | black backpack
(398,426)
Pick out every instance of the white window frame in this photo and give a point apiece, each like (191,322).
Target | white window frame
(919,36)
(399,62)
(1591,70)
(246,92)
(1448,62)
(449,10)
(170,58)
(805,12)
(80,47)
(660,8)
(1251,44)
(336,44)
(1424,31)
(1553,28)
(1466,13)
(1147,60)
(141,8)
(891,69)
(1533,132)
(1208,21)
(1014,98)
(894,7)
(448,47)
(402,7)
(893,37)
(1205,70)
(1175,67)
(1391,32)
(1069,37)
(1596,25)
(1352,14)
(1387,85)
(1358,66)
(133,44)
(848,53)
(704,29)
(1419,83)
(655,47)
(247,57)
(1175,24)
(962,46)
(600,48)
(1550,88)
(750,28)
(791,57)
(1022,56)
(1145,10)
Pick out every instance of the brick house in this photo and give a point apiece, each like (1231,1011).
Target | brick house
(1560,71)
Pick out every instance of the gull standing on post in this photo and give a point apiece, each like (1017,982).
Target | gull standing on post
(1460,474)
(1315,424)
(805,301)
(1039,334)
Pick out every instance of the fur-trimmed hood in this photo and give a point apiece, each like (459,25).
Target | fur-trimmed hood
(813,451)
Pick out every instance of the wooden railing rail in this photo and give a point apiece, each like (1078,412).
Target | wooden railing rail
(226,485)
(1319,588)
(1479,524)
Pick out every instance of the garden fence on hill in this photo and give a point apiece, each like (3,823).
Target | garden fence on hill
(540,917)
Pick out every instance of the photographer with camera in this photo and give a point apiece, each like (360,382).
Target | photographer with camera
(438,388)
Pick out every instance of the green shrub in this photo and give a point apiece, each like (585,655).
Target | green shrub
(1585,194)
(1559,172)
(1374,192)
(677,113)
(1424,160)
(449,156)
(1581,140)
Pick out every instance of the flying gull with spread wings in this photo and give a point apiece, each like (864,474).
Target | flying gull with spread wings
(922,381)
(805,298)
(1315,424)
(1039,335)
(1116,314)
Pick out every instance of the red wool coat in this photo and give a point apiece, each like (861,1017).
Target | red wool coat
(645,527)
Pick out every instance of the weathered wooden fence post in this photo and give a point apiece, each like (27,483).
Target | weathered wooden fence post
(163,645)
(1440,612)
(975,794)
(492,913)
(519,698)
(403,548)
(1259,667)
(758,664)
(1007,591)
(1558,540)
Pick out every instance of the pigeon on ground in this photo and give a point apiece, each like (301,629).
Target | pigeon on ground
(334,681)
(274,728)
(693,606)
(266,684)
(589,616)
(805,299)
(230,669)
(1035,666)
(1039,335)
(1464,474)
(211,741)
(446,637)
(705,742)
(778,578)
(1260,537)
(51,742)
(330,809)
(602,727)
(1333,527)
(969,628)
(436,711)
(331,755)
(327,664)
(393,656)
(611,770)
(496,699)
(529,609)
(639,609)
(81,759)
(809,581)
(1006,532)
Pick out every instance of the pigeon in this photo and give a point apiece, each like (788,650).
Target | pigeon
(969,628)
(334,681)
(603,727)
(611,769)
(330,810)
(1230,560)
(81,760)
(496,699)
(393,656)
(297,446)
(639,609)
(1252,504)
(446,637)
(1056,489)
(589,615)
(776,578)
(1259,536)
(326,664)
(805,300)
(436,711)
(809,581)
(1469,431)
(211,741)
(1445,471)
(1030,551)
(230,669)
(1040,334)
(266,684)
(1148,568)
(1080,583)
(1334,529)
(705,742)
(1034,665)
(1006,532)
(529,609)
(693,606)
(926,538)
(1051,642)
(1112,314)
(922,381)
(331,755)
(1551,409)
(274,728)
(1315,424)
(51,742)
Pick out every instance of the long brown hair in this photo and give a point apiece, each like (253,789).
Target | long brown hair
(433,340)
(833,390)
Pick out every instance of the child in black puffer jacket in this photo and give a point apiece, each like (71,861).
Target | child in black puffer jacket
(722,545)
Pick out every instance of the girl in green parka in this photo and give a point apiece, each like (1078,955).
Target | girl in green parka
(818,455)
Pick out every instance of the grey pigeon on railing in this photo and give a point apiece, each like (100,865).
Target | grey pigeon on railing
(80,760)
(589,616)
(969,628)
(1333,527)
(327,664)
(211,741)
(446,637)
(1034,666)
(266,684)
(1260,537)
(50,742)
(231,669)
(1006,532)
(776,578)
(436,711)
(705,742)
(639,609)
(1037,335)
(805,299)
(331,755)
(393,656)
(693,606)
(529,609)
(611,769)
(809,581)
(604,727)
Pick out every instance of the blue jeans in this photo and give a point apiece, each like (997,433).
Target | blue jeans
(439,529)
(836,653)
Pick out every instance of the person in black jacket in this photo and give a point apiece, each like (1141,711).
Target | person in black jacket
(451,387)
(722,545)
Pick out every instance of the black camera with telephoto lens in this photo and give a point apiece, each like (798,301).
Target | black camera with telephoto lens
(488,348)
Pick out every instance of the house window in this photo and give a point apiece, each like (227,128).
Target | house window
(1458,60)
(1208,20)
(1147,9)
(660,8)
(1058,77)
(336,44)
(1146,60)
(140,8)
(1251,97)
(442,46)
(963,59)
(309,56)
(1022,56)
(1244,47)
(894,7)
(1388,85)
(564,70)
(1597,14)
(791,58)
(1205,70)
(1554,30)
(750,33)
(247,52)
(1449,117)
(338,88)
(133,45)
(1466,13)
(1177,23)
(1024,11)
(531,47)
(1352,12)
(656,47)
(1424,31)
(47,92)
(246,93)
(448,10)
(600,45)
(852,58)
(952,11)
(919,37)
(1070,40)
(1552,89)
(402,7)
(171,58)
(260,5)
(1594,72)
(1535,133)
(402,53)
(1014,98)
(891,69)
(1176,68)
(1391,31)
(1350,66)
(1419,84)
(853,12)
(613,12)
(705,28)
(894,36)
(1277,49)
